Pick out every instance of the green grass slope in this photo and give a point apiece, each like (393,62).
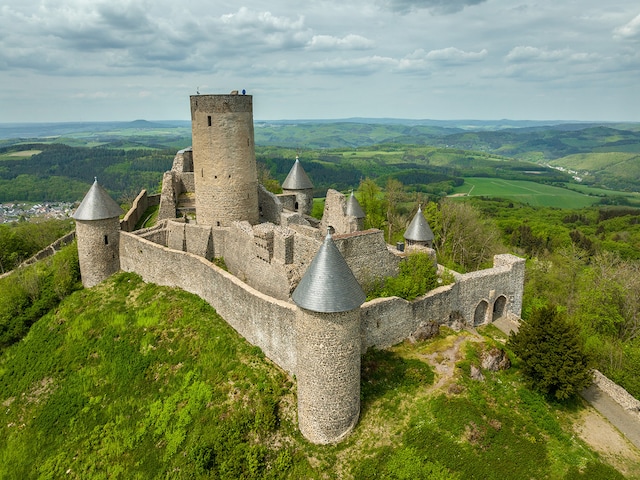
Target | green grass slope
(531,193)
(131,380)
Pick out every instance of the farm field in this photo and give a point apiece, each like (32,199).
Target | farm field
(532,193)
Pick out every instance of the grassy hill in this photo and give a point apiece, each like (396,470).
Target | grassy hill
(531,193)
(132,380)
(618,169)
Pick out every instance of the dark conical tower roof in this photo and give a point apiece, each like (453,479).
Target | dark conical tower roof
(97,204)
(419,230)
(297,178)
(353,207)
(328,285)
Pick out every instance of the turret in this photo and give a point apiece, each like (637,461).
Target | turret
(328,347)
(297,183)
(98,234)
(224,160)
(419,233)
(355,210)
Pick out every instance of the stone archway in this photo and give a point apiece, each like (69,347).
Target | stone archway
(499,307)
(480,315)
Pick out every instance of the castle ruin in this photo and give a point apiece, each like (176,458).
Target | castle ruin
(290,287)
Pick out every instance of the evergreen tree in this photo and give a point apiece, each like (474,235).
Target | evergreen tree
(552,353)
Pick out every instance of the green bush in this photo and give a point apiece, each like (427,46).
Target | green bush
(553,356)
(416,277)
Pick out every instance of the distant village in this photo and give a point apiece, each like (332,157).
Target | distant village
(15,212)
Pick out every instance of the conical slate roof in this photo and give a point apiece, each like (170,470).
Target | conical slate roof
(328,285)
(297,178)
(353,207)
(97,204)
(419,230)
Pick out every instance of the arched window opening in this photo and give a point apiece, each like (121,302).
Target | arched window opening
(480,314)
(499,307)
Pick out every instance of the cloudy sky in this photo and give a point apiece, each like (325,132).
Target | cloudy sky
(85,60)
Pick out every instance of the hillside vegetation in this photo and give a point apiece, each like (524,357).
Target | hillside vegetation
(427,156)
(132,380)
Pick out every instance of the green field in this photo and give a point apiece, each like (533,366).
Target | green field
(535,194)
(594,161)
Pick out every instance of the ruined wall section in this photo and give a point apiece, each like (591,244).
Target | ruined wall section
(263,321)
(268,257)
(367,255)
(504,279)
(183,161)
(335,216)
(387,321)
(270,205)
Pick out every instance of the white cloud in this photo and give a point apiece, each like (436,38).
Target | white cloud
(348,42)
(629,31)
(452,55)
(522,54)
(63,47)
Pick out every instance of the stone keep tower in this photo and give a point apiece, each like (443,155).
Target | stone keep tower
(328,347)
(224,159)
(98,234)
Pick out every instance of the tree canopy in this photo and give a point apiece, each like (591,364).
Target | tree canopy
(552,353)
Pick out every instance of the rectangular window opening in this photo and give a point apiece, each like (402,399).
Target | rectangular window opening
(106,240)
(209,120)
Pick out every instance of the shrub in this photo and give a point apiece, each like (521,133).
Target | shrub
(417,276)
(553,356)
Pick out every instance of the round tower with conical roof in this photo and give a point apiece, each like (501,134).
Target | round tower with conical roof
(224,160)
(297,183)
(98,234)
(355,210)
(418,233)
(328,347)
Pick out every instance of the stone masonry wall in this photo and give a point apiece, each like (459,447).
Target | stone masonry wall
(334,215)
(140,205)
(328,375)
(224,164)
(264,321)
(618,394)
(367,255)
(98,249)
(387,321)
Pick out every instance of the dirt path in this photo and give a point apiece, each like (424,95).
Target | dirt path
(604,438)
(444,361)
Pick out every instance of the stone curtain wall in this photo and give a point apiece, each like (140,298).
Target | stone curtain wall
(617,393)
(269,322)
(264,321)
(139,206)
(46,252)
(388,321)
